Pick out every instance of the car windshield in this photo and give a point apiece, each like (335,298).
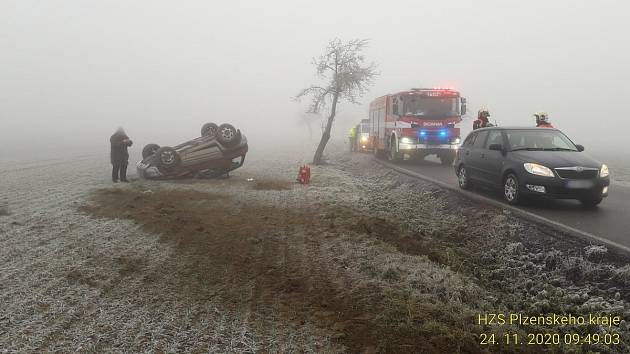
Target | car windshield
(430,107)
(539,139)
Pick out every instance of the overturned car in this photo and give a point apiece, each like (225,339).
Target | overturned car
(219,150)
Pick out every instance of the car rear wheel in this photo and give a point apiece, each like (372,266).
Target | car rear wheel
(149,150)
(228,135)
(591,203)
(462,178)
(511,191)
(168,158)
(209,130)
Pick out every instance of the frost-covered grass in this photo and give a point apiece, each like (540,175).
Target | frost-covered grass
(407,263)
(70,282)
(514,265)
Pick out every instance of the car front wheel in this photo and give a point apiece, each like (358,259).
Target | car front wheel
(462,178)
(149,150)
(228,135)
(167,158)
(511,191)
(591,203)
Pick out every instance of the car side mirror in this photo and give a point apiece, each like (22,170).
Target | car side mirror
(580,147)
(495,147)
(463,106)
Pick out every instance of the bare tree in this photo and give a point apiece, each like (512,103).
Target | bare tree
(347,77)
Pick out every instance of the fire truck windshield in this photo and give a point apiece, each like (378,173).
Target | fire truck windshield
(431,107)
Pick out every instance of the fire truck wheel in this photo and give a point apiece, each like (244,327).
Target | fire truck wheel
(209,129)
(228,135)
(168,158)
(462,178)
(149,150)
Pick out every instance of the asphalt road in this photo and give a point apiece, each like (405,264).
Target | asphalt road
(609,221)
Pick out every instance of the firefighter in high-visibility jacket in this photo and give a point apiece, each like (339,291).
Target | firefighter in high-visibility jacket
(542,120)
(352,136)
(482,119)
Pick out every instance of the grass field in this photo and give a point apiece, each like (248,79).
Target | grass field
(362,260)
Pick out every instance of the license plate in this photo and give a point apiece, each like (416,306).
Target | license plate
(580,184)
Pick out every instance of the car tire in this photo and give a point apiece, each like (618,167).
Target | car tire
(228,135)
(209,130)
(591,203)
(462,178)
(167,158)
(511,191)
(149,150)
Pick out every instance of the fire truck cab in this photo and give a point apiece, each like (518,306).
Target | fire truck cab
(417,123)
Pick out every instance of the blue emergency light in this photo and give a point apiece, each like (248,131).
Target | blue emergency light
(442,133)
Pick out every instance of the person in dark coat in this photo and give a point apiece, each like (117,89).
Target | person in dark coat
(119,155)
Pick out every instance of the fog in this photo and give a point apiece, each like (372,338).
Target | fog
(73,71)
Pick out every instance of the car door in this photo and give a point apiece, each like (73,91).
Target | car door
(475,157)
(463,153)
(491,161)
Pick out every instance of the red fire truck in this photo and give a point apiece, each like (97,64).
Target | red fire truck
(417,123)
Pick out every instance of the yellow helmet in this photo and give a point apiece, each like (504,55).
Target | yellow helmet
(483,112)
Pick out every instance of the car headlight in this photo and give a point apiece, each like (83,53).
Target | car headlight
(456,141)
(538,170)
(406,140)
(364,138)
(603,172)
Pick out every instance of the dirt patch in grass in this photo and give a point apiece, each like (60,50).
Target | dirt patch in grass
(363,279)
(257,257)
(273,185)
(220,241)
(404,240)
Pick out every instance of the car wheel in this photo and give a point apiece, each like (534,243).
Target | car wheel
(149,150)
(209,130)
(228,135)
(591,203)
(511,191)
(167,158)
(462,178)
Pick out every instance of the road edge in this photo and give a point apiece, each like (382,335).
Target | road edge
(522,213)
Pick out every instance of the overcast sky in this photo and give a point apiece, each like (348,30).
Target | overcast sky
(72,71)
